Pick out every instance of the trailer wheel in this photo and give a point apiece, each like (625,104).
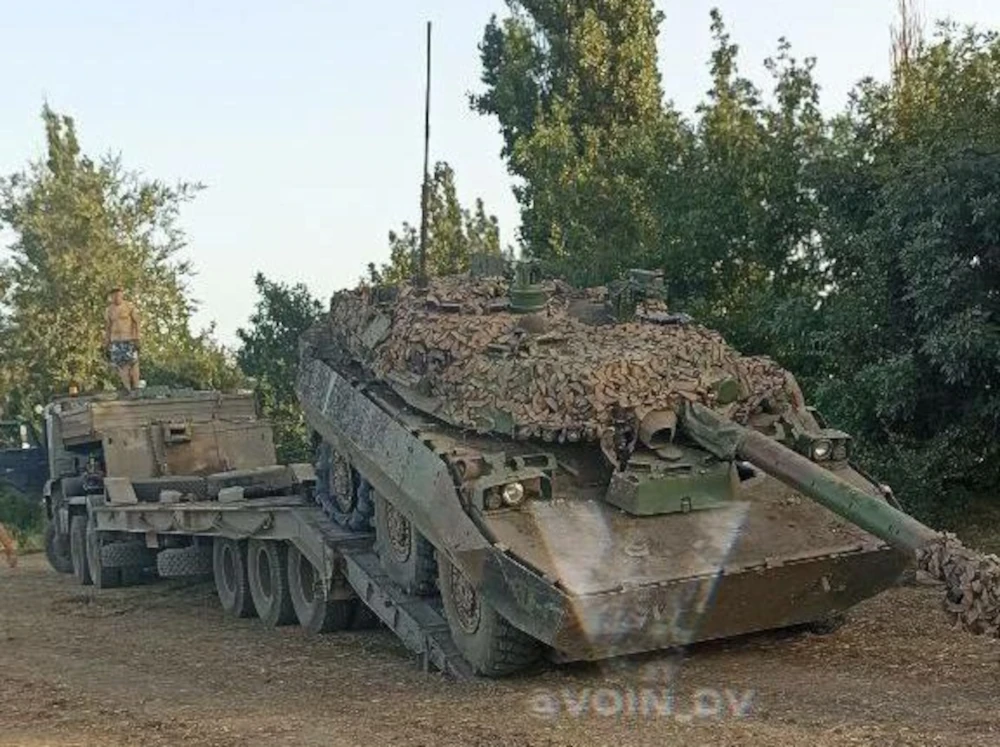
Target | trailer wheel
(492,646)
(405,554)
(78,549)
(316,613)
(102,576)
(342,493)
(57,550)
(229,566)
(267,563)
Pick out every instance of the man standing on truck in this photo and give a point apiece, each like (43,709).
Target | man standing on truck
(121,338)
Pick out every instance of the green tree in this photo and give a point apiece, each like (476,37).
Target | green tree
(576,91)
(81,226)
(269,353)
(911,327)
(610,177)
(741,220)
(454,234)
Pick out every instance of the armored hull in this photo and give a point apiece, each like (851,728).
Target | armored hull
(535,471)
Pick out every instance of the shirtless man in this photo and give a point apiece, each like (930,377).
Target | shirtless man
(121,338)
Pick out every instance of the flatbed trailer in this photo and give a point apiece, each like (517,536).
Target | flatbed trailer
(345,566)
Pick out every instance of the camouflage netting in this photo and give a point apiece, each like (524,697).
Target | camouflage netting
(972,582)
(552,375)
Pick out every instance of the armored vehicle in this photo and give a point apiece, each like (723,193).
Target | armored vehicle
(582,473)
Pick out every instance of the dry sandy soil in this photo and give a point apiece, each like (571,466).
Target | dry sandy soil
(158,664)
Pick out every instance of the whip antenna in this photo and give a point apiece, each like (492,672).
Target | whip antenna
(425,190)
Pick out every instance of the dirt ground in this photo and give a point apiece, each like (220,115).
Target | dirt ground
(158,664)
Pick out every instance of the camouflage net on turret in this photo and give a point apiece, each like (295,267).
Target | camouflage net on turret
(972,583)
(553,375)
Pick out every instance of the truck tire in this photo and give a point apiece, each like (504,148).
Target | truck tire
(315,612)
(267,566)
(57,550)
(184,561)
(405,555)
(229,568)
(129,554)
(101,575)
(343,494)
(491,645)
(78,549)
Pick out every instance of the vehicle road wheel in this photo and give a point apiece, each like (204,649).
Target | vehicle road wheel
(492,646)
(102,576)
(229,566)
(316,613)
(342,493)
(405,554)
(267,563)
(78,549)
(57,550)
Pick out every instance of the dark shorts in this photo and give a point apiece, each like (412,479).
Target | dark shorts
(123,353)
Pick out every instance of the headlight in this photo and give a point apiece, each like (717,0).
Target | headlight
(821,450)
(513,494)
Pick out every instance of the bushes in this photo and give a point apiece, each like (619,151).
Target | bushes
(22,515)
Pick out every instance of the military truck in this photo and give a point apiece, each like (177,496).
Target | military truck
(149,446)
(506,470)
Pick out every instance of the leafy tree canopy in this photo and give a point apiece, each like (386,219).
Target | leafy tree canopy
(577,94)
(454,234)
(81,226)
(269,353)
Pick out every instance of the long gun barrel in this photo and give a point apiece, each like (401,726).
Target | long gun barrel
(971,580)
(727,440)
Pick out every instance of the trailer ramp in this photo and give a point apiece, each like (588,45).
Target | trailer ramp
(417,622)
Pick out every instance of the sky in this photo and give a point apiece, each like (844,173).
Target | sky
(304,119)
